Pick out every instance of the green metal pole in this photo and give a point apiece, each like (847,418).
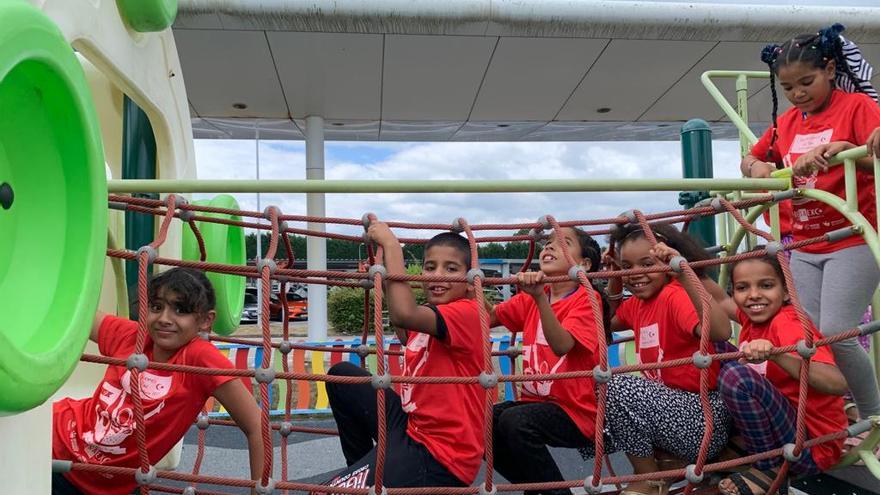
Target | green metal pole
(138,162)
(696,162)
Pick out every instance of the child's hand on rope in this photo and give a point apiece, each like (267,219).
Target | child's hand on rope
(381,234)
(531,283)
(663,252)
(608,260)
(756,351)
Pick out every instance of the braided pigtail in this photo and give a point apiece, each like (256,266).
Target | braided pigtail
(769,55)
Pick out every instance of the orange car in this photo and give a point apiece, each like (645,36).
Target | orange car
(297,306)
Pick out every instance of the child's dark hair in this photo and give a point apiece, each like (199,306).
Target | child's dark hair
(816,50)
(590,249)
(194,291)
(688,246)
(770,260)
(452,240)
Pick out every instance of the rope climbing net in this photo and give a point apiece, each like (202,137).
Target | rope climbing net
(267,269)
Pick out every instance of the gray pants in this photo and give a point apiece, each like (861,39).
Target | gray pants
(835,289)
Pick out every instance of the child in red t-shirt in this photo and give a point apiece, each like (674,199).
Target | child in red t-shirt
(100,429)
(761,392)
(662,408)
(434,432)
(559,334)
(831,112)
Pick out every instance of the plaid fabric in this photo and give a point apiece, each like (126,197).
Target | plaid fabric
(762,415)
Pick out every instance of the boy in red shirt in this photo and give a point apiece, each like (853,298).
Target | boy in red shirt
(435,432)
(100,429)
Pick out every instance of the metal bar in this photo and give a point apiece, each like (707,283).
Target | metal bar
(440,186)
(722,102)
(742,107)
(852,192)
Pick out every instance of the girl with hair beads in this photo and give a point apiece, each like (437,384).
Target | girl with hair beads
(559,335)
(833,110)
(761,391)
(661,410)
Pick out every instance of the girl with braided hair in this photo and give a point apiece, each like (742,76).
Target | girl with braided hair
(833,109)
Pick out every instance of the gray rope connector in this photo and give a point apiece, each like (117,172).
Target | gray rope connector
(783,195)
(773,248)
(186,215)
(702,361)
(380,269)
(630,216)
(264,375)
(59,466)
(179,201)
(488,380)
(805,351)
(143,478)
(590,488)
(840,234)
(861,427)
(285,347)
(152,254)
(367,283)
(690,474)
(717,205)
(574,271)
(363,350)
(869,328)
(473,273)
(380,381)
(482,490)
(267,212)
(269,263)
(365,219)
(677,263)
(788,453)
(372,491)
(544,220)
(203,422)
(266,489)
(536,234)
(189,491)
(457,226)
(600,375)
(285,429)
(137,361)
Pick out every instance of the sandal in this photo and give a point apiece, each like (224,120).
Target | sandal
(746,481)
(661,486)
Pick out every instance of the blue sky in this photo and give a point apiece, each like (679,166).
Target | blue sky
(231,159)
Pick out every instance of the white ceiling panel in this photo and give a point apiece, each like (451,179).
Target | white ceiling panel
(496,131)
(629,76)
(531,78)
(418,131)
(334,75)
(433,75)
(338,130)
(689,99)
(227,68)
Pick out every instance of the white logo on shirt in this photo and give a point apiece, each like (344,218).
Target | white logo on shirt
(415,344)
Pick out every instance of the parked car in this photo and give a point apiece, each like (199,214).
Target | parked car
(275,306)
(250,312)
(297,306)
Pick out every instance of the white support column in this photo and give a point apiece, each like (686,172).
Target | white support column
(316,247)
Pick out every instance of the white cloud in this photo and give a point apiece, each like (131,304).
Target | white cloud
(426,161)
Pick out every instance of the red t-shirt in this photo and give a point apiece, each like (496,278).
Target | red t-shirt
(824,413)
(849,117)
(448,419)
(576,396)
(664,330)
(100,429)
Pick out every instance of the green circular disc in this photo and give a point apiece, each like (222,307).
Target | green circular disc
(223,244)
(53,225)
(148,16)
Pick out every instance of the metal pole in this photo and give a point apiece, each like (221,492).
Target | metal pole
(259,232)
(696,162)
(316,247)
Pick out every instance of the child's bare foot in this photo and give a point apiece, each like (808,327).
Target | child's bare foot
(751,482)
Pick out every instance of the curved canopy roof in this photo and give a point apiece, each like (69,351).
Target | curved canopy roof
(482,70)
